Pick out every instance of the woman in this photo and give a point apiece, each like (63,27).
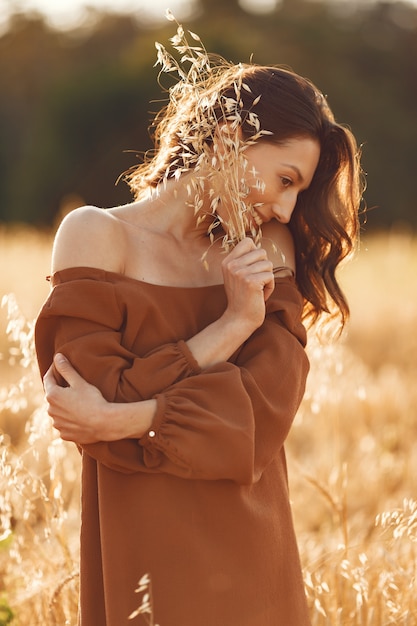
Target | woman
(182,317)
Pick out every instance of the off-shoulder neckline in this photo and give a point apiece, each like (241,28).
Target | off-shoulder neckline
(96,272)
(58,277)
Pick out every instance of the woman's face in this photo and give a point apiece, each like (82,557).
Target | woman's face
(276,174)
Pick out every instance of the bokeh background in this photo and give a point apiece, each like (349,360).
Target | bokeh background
(76,92)
(78,89)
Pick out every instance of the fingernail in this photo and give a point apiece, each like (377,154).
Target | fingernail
(59,358)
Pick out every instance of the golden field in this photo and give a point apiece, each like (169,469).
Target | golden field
(352,453)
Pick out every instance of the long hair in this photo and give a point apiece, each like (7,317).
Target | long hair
(268,104)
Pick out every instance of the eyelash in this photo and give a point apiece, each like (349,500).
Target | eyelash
(286,182)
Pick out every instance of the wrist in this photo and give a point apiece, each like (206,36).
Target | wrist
(238,325)
(112,428)
(129,420)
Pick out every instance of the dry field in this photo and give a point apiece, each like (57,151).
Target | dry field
(352,453)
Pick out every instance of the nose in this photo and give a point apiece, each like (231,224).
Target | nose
(283,211)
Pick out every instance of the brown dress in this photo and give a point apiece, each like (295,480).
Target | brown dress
(201,501)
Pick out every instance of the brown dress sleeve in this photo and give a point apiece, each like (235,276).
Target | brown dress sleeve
(85,320)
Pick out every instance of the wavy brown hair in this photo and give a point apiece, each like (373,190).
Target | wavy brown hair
(284,105)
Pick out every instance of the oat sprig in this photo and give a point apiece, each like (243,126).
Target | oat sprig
(200,133)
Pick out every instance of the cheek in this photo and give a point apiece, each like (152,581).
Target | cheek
(262,188)
(256,196)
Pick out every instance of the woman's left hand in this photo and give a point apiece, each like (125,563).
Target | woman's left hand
(79,410)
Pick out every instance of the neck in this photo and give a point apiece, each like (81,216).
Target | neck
(176,208)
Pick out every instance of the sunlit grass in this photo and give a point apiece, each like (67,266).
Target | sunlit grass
(352,453)
(39,474)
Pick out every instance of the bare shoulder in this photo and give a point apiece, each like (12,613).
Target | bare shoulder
(279,244)
(88,237)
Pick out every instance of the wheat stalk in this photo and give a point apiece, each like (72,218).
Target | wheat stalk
(205,137)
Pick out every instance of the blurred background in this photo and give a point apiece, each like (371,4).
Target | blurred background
(78,89)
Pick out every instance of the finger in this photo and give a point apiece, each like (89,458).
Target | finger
(251,254)
(252,268)
(242,247)
(259,264)
(261,280)
(68,373)
(49,380)
(254,260)
(269,289)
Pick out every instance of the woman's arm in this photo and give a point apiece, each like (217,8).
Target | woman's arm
(119,420)
(81,414)
(227,422)
(249,282)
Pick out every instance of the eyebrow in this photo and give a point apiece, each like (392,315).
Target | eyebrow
(296,170)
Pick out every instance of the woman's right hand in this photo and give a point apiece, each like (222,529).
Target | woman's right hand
(81,414)
(78,410)
(248,281)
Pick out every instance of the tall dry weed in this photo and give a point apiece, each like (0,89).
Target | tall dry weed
(353,450)
(39,473)
(352,458)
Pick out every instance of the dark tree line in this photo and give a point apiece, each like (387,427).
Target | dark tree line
(75,106)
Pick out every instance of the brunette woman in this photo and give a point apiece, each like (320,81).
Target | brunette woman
(175,328)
